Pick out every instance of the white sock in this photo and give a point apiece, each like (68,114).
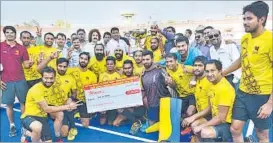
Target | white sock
(57,134)
(12,125)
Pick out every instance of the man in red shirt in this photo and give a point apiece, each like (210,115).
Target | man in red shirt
(13,57)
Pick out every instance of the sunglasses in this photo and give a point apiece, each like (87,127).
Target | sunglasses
(214,35)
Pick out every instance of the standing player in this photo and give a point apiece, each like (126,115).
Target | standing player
(13,57)
(254,96)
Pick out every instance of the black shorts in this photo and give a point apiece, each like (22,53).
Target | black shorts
(65,119)
(111,115)
(46,134)
(68,119)
(223,132)
(138,113)
(246,107)
(186,102)
(83,111)
(31,83)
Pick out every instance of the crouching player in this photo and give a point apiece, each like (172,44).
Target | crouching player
(34,119)
(64,90)
(201,95)
(221,99)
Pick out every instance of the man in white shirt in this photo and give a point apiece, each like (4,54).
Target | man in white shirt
(226,53)
(93,37)
(115,42)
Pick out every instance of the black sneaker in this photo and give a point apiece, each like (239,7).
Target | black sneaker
(12,131)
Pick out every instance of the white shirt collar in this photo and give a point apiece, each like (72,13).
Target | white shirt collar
(222,46)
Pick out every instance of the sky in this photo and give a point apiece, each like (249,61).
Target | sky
(105,13)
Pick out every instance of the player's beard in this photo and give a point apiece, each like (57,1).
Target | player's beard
(83,65)
(99,56)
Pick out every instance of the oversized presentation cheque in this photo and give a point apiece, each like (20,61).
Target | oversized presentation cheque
(111,95)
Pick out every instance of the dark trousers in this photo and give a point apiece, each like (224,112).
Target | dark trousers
(138,113)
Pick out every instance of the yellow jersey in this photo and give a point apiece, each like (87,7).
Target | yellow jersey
(182,81)
(256,62)
(82,78)
(62,88)
(119,64)
(138,69)
(201,93)
(98,67)
(36,94)
(123,76)
(222,94)
(157,55)
(32,72)
(109,76)
(148,39)
(47,52)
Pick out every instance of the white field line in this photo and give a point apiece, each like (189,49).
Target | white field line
(106,131)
